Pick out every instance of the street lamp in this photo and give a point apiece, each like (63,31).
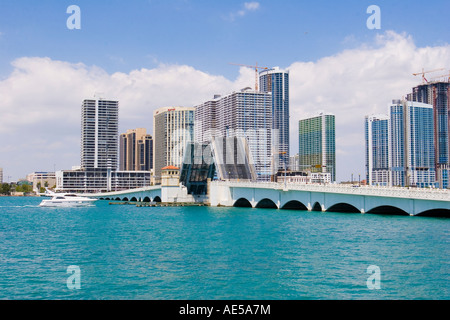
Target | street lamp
(285,169)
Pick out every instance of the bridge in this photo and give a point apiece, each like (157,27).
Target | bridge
(309,197)
(145,194)
(332,198)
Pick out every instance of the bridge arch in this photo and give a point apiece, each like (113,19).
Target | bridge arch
(242,203)
(316,207)
(343,207)
(266,204)
(157,199)
(125,199)
(437,213)
(146,199)
(294,205)
(391,210)
(133,199)
(117,199)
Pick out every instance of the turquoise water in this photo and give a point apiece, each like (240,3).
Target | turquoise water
(125,252)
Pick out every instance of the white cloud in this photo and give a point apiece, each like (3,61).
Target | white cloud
(355,83)
(247,7)
(251,6)
(41,104)
(41,98)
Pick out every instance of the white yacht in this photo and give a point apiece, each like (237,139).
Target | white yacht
(66,200)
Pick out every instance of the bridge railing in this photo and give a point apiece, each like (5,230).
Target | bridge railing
(124,192)
(395,192)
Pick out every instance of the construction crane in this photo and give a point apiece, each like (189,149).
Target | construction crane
(425,72)
(256,71)
(446,76)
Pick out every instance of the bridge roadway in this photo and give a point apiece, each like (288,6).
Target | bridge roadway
(332,197)
(311,197)
(145,194)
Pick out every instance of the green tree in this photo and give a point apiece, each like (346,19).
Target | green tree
(6,188)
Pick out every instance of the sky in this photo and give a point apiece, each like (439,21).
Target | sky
(156,53)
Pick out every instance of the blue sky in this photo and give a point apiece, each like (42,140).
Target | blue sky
(122,35)
(155,53)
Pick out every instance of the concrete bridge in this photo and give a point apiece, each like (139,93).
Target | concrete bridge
(332,198)
(146,194)
(310,197)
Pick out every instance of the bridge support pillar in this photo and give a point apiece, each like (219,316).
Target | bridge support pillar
(309,207)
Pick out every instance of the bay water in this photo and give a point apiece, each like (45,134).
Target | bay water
(204,253)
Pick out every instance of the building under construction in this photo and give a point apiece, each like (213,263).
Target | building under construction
(437,94)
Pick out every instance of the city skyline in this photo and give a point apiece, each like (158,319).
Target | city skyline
(334,61)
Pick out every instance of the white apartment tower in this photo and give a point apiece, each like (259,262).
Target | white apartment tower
(99,134)
(243,114)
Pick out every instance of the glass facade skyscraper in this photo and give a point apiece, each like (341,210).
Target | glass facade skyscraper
(317,144)
(412,157)
(438,95)
(377,149)
(276,81)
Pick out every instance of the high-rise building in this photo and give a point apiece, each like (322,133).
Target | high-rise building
(136,150)
(294,164)
(173,128)
(276,81)
(99,154)
(243,114)
(99,134)
(377,149)
(411,147)
(317,144)
(438,95)
(206,120)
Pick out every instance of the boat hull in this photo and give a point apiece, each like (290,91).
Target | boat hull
(71,203)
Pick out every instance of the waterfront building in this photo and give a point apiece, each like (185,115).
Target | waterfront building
(100,180)
(243,114)
(173,128)
(42,180)
(136,150)
(276,81)
(99,154)
(317,144)
(437,94)
(411,147)
(99,134)
(377,149)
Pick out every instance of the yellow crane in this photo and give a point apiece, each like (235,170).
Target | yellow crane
(256,67)
(425,72)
